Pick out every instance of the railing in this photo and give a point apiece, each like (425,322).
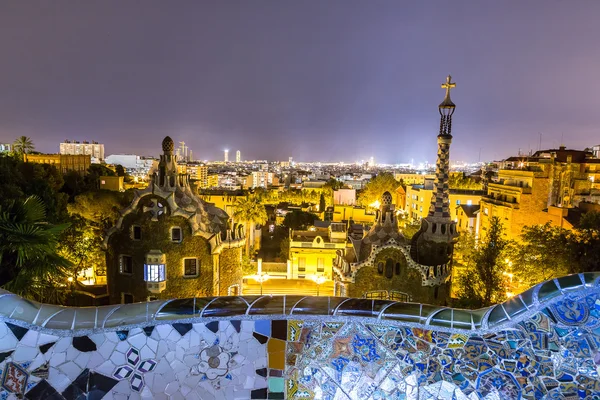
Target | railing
(18,309)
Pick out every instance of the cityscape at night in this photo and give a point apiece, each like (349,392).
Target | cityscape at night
(299,200)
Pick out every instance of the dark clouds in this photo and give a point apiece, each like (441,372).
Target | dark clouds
(328,80)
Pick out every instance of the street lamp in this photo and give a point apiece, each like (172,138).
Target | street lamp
(260,278)
(318,279)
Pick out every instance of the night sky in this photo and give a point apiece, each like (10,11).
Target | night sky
(317,80)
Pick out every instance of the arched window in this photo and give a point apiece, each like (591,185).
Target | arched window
(389,268)
(380,268)
(397,268)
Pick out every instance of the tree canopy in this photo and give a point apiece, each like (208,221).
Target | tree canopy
(483,283)
(23,145)
(298,219)
(29,261)
(384,182)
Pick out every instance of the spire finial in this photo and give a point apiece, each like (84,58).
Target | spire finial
(448,85)
(447,103)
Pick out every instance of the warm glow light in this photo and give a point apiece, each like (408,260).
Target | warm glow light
(375,204)
(70,279)
(318,279)
(263,277)
(509,294)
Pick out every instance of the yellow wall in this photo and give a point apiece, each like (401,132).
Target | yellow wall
(311,255)
(357,214)
(418,201)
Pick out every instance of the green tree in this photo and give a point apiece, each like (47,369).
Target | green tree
(29,261)
(322,204)
(81,244)
(94,172)
(482,282)
(461,181)
(584,244)
(542,254)
(23,145)
(384,182)
(284,248)
(19,180)
(120,170)
(334,184)
(298,219)
(251,212)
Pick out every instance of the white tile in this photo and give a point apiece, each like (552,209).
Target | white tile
(44,338)
(24,353)
(106,368)
(8,342)
(83,358)
(146,353)
(57,359)
(106,349)
(172,388)
(153,344)
(122,347)
(164,330)
(95,360)
(72,353)
(137,340)
(30,339)
(58,380)
(98,338)
(62,345)
(70,369)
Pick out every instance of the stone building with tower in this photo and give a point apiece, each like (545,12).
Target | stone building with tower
(169,243)
(384,264)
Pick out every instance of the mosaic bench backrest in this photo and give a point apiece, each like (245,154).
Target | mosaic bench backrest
(540,344)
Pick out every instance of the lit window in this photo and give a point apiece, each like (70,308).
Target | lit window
(125,264)
(469,202)
(103,182)
(176,234)
(486,211)
(301,264)
(190,267)
(154,272)
(458,202)
(136,232)
(320,265)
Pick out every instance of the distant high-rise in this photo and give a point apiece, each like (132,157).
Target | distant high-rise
(73,147)
(238,156)
(372,162)
(226,155)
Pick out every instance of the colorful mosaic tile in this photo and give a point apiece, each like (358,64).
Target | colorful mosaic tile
(551,351)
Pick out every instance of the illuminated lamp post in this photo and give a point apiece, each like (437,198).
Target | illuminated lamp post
(261,278)
(318,279)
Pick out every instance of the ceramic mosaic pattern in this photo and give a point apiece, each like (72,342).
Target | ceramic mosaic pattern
(550,354)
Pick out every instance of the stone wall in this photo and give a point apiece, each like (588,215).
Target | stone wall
(156,235)
(541,344)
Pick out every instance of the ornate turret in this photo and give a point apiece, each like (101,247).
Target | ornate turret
(437,227)
(168,177)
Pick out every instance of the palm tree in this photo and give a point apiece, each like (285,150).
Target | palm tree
(252,212)
(29,262)
(23,145)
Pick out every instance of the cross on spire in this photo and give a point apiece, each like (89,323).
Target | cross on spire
(448,85)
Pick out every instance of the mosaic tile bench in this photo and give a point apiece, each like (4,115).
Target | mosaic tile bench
(542,344)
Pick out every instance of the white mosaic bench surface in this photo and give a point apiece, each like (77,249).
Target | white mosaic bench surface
(542,344)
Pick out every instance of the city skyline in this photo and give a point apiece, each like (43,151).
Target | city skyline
(341,81)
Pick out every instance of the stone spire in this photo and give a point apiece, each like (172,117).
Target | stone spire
(168,177)
(433,244)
